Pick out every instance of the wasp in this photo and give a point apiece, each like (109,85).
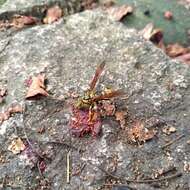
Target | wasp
(86,108)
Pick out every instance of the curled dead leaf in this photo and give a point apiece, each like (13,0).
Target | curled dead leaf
(53,14)
(17,108)
(19,21)
(37,87)
(154,35)
(16,146)
(175,50)
(138,133)
(119,12)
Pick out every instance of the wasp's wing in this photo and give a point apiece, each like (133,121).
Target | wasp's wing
(109,95)
(97,75)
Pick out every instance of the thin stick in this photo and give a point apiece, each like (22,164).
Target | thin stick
(155,180)
(138,181)
(173,141)
(60,143)
(68,166)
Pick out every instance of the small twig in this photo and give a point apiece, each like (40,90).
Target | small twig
(137,181)
(39,170)
(173,141)
(155,180)
(68,166)
(120,185)
(61,143)
(149,180)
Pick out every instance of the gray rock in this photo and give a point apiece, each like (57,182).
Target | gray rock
(37,7)
(69,51)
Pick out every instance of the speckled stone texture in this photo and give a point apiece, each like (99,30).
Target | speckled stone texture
(68,51)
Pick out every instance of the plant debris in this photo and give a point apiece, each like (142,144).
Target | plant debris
(81,123)
(120,116)
(3,93)
(37,87)
(138,133)
(15,108)
(16,146)
(53,14)
(169,129)
(168,15)
(175,50)
(18,22)
(119,12)
(152,34)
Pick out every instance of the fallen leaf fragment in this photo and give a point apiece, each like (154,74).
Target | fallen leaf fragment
(154,35)
(138,133)
(19,21)
(175,50)
(37,87)
(83,122)
(16,146)
(168,15)
(108,108)
(169,129)
(53,14)
(119,12)
(17,108)
(120,116)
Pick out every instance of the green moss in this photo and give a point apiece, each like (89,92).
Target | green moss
(174,30)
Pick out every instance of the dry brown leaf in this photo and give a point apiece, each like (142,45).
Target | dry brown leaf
(138,133)
(17,108)
(53,14)
(16,146)
(37,87)
(175,50)
(146,32)
(120,116)
(19,21)
(119,12)
(154,35)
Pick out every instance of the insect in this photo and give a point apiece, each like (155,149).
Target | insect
(86,110)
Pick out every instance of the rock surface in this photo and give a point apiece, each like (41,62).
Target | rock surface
(37,7)
(68,52)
